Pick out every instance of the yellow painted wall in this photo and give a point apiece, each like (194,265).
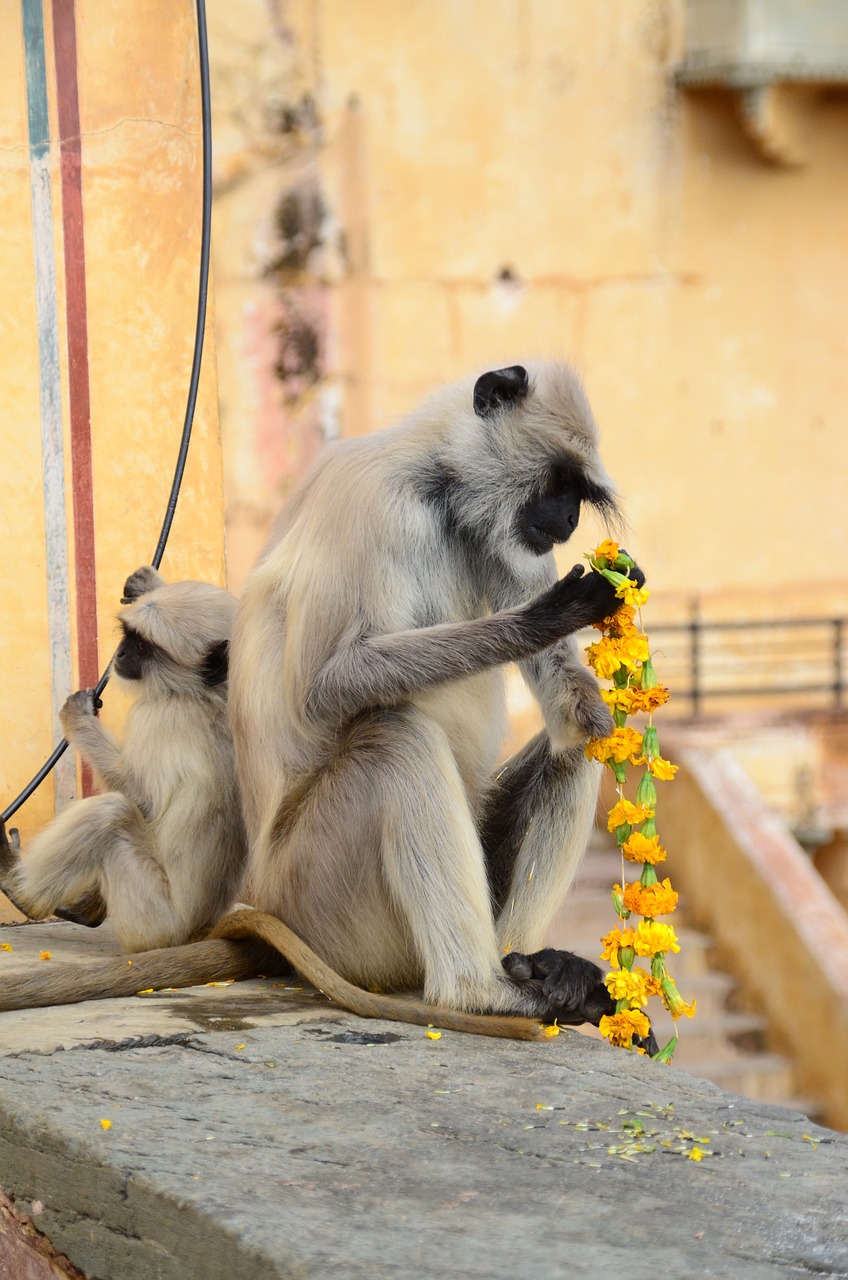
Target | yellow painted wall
(140,124)
(701,290)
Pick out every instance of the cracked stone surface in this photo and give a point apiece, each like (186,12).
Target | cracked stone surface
(288,1139)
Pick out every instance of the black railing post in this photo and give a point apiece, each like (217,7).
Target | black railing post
(695,654)
(838,671)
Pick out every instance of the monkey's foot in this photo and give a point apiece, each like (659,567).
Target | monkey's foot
(572,987)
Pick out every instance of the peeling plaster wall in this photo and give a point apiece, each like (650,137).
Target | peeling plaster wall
(137,93)
(501,177)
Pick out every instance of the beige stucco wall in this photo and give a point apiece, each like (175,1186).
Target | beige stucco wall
(141,169)
(700,289)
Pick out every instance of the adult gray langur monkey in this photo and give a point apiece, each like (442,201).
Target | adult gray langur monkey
(367,699)
(161,851)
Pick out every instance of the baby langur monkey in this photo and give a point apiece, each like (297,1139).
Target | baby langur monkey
(161,850)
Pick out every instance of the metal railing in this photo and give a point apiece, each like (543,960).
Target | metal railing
(797,661)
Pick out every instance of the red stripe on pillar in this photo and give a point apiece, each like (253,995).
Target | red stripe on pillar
(70,143)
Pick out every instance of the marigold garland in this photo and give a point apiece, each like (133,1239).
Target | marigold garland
(623,656)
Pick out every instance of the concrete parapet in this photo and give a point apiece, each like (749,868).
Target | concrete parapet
(773,917)
(255,1130)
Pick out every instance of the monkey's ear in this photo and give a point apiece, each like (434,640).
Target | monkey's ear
(215,666)
(500,388)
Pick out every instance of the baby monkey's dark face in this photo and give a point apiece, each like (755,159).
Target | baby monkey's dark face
(133,657)
(551,516)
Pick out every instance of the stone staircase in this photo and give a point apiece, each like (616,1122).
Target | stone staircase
(724,1042)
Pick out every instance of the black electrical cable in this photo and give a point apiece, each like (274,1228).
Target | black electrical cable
(203,289)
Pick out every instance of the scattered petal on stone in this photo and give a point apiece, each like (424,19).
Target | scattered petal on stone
(239,1046)
(433,1035)
(44,955)
(105,1124)
(5,946)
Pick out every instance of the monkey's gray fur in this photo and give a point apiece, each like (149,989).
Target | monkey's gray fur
(162,850)
(367,698)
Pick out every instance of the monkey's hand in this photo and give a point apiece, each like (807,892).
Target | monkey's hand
(139,583)
(10,847)
(78,709)
(575,601)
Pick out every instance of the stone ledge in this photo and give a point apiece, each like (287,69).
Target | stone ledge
(325,1144)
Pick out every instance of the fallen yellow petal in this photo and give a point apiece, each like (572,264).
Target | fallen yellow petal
(5,946)
(550,1031)
(148,991)
(105,1124)
(433,1035)
(239,1046)
(695,1154)
(44,955)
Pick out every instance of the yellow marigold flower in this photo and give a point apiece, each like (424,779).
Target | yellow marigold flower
(620,1028)
(617,700)
(105,1124)
(604,658)
(639,848)
(629,984)
(625,812)
(662,769)
(613,941)
(650,937)
(673,1000)
(606,550)
(5,946)
(631,594)
(44,955)
(650,899)
(633,650)
(621,745)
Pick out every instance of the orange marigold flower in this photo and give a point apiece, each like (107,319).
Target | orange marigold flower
(647,700)
(650,899)
(620,1028)
(639,848)
(606,550)
(622,744)
(613,941)
(649,938)
(624,811)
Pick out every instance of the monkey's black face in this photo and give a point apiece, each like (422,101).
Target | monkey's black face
(551,517)
(132,654)
(546,521)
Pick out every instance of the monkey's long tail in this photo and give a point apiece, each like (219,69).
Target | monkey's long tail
(242,945)
(368,1004)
